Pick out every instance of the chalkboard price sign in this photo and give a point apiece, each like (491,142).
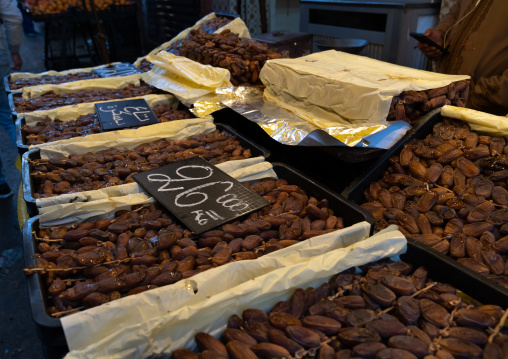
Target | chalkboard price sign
(123,114)
(123,69)
(199,194)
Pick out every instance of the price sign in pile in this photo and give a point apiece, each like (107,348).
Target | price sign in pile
(122,114)
(199,194)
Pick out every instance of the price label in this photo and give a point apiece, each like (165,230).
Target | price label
(199,194)
(123,114)
(123,69)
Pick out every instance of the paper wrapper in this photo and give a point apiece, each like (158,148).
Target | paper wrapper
(155,327)
(92,84)
(347,94)
(287,128)
(188,80)
(237,26)
(479,121)
(29,75)
(78,207)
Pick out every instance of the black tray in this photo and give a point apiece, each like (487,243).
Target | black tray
(20,135)
(335,167)
(55,339)
(484,289)
(28,185)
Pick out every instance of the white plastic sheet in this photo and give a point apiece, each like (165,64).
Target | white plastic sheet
(151,330)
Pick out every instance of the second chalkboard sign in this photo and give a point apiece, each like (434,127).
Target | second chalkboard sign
(117,70)
(123,114)
(199,194)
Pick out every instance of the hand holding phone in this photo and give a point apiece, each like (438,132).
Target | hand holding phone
(426,43)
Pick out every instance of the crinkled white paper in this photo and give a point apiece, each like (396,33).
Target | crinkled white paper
(29,75)
(340,91)
(479,121)
(78,207)
(224,291)
(188,80)
(236,26)
(92,84)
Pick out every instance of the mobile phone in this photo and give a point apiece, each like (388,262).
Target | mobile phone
(424,39)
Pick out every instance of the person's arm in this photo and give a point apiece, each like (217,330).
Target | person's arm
(489,93)
(437,33)
(12,19)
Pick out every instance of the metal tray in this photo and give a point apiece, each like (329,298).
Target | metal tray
(55,339)
(28,185)
(21,136)
(485,290)
(6,84)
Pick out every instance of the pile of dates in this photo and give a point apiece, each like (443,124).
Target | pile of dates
(410,106)
(208,27)
(51,100)
(49,130)
(47,79)
(243,57)
(449,191)
(92,171)
(95,262)
(388,312)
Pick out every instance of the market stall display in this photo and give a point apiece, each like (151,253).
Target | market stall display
(380,310)
(445,188)
(238,239)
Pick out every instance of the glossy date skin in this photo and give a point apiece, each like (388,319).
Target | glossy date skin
(449,191)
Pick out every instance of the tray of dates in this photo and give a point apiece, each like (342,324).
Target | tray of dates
(385,309)
(16,82)
(82,120)
(44,178)
(46,97)
(446,189)
(73,268)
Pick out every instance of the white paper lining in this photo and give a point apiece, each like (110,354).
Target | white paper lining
(149,330)
(188,80)
(337,90)
(92,84)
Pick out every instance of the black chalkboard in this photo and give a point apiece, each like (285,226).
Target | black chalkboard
(127,113)
(123,69)
(199,194)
